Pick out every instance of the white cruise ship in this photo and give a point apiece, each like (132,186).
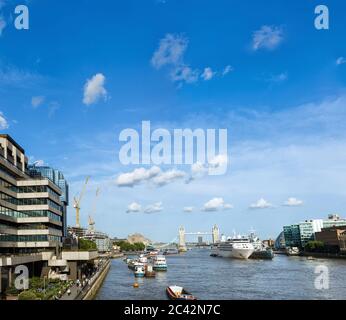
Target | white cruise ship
(236,247)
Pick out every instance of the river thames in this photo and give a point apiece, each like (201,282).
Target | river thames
(221,278)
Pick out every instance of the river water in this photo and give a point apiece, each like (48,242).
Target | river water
(221,278)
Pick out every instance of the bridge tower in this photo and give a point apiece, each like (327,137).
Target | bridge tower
(182,243)
(215,234)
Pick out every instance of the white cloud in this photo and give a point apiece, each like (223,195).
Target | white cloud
(154,175)
(340,60)
(293,202)
(188,209)
(2,23)
(37,101)
(170,51)
(94,89)
(261,204)
(199,170)
(185,74)
(137,176)
(134,207)
(166,177)
(268,37)
(216,204)
(208,74)
(227,70)
(156,207)
(3,122)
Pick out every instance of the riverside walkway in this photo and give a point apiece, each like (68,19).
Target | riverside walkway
(79,292)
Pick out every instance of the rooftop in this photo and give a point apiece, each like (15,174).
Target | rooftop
(9,138)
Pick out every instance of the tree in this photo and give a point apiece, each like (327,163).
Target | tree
(314,246)
(87,245)
(126,246)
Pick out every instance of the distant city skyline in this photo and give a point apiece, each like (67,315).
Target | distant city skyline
(71,83)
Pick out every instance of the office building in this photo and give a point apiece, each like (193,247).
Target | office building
(58,179)
(298,235)
(333,238)
(292,235)
(308,229)
(31,215)
(33,204)
(101,239)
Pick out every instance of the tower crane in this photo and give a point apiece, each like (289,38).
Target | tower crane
(93,210)
(77,202)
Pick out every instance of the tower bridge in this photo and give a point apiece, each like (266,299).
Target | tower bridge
(215,234)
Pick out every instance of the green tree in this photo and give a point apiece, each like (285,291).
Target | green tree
(86,245)
(126,246)
(314,246)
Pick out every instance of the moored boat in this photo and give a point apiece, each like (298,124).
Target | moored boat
(134,263)
(236,247)
(160,263)
(154,253)
(179,293)
(127,260)
(293,251)
(149,271)
(143,259)
(139,271)
(170,251)
(265,254)
(214,250)
(260,250)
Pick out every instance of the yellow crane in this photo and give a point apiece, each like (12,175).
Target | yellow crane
(77,202)
(93,210)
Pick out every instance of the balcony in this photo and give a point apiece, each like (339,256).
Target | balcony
(79,255)
(13,260)
(54,262)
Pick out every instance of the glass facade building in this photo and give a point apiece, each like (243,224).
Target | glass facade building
(292,236)
(57,178)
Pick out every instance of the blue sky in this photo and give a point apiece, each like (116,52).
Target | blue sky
(259,69)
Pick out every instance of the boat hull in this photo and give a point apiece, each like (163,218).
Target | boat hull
(160,268)
(186,296)
(151,274)
(236,253)
(139,275)
(263,254)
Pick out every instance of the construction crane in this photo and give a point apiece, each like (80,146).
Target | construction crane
(93,210)
(77,202)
